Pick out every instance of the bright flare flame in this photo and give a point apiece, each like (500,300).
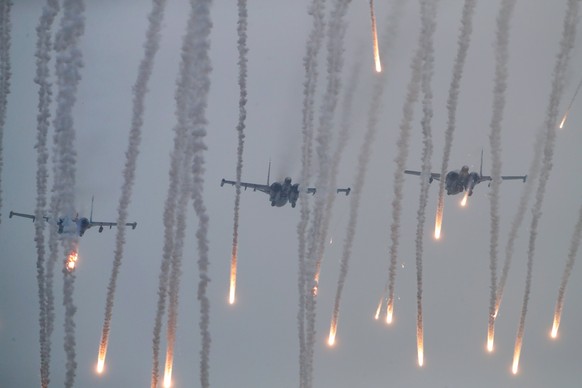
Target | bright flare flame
(389,311)
(375,37)
(516,354)
(101,357)
(100,365)
(420,346)
(490,339)
(168,375)
(71,262)
(564,120)
(232,293)
(555,326)
(438,221)
(332,331)
(465,197)
(377,315)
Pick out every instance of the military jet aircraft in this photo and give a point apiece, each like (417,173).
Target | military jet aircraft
(78,225)
(280,192)
(458,181)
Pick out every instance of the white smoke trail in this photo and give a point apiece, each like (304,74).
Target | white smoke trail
(401,157)
(566,44)
(500,85)
(199,29)
(463,42)
(324,201)
(316,9)
(5,42)
(428,16)
(68,66)
(43,50)
(139,92)
(574,245)
(242,82)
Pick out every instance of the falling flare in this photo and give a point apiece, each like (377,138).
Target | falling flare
(516,354)
(375,37)
(71,262)
(564,119)
(490,338)
(377,315)
(332,331)
(390,311)
(168,372)
(101,356)
(420,346)
(232,293)
(438,222)
(555,326)
(465,197)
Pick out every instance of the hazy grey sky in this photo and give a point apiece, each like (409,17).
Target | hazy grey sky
(255,342)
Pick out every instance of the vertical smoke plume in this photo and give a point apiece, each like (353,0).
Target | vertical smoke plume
(68,66)
(566,44)
(401,157)
(5,41)
(428,16)
(500,85)
(43,49)
(139,92)
(242,82)
(201,68)
(574,244)
(316,9)
(528,188)
(323,202)
(463,42)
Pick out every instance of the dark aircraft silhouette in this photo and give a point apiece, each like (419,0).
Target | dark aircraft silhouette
(279,192)
(458,181)
(78,225)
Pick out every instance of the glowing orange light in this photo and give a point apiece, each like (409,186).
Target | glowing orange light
(375,38)
(555,326)
(564,120)
(168,374)
(420,346)
(232,292)
(101,356)
(377,315)
(490,338)
(464,200)
(438,222)
(71,262)
(516,355)
(389,311)
(332,331)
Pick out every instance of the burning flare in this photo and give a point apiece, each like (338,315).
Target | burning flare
(377,315)
(564,119)
(490,337)
(232,293)
(168,372)
(438,222)
(375,38)
(555,326)
(516,354)
(71,262)
(101,356)
(465,198)
(389,311)
(420,346)
(332,331)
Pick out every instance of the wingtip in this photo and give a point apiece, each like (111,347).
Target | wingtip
(222,182)
(11,214)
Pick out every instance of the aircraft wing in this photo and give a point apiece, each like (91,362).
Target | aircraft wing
(433,175)
(506,177)
(311,190)
(112,224)
(254,186)
(24,215)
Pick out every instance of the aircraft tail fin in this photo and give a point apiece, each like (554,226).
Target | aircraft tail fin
(269,173)
(91,215)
